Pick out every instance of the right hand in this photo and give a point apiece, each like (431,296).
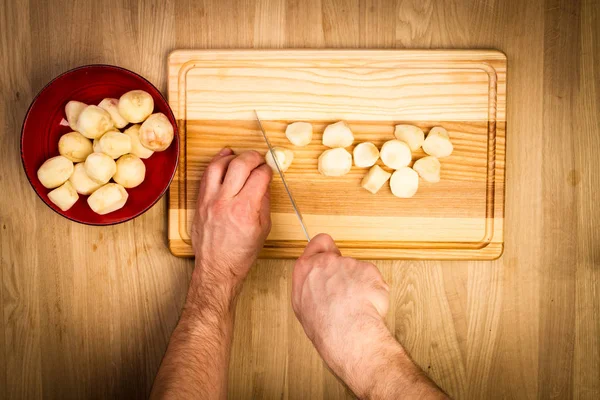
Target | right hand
(341,303)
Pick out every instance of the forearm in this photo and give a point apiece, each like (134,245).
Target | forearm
(196,362)
(385,371)
(399,377)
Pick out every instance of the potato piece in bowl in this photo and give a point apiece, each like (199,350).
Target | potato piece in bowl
(64,196)
(110,197)
(81,182)
(114,144)
(136,146)
(73,109)
(93,122)
(75,146)
(112,107)
(136,105)
(131,171)
(55,171)
(156,133)
(100,167)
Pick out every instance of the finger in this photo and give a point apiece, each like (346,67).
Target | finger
(322,243)
(214,173)
(239,170)
(257,184)
(224,152)
(265,211)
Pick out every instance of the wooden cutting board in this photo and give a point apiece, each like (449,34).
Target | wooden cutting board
(213,93)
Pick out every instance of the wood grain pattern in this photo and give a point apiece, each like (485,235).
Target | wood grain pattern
(213,94)
(86,312)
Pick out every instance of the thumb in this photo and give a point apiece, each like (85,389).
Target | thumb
(322,243)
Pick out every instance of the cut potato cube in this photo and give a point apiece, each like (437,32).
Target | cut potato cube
(365,155)
(428,168)
(412,135)
(284,158)
(338,135)
(108,198)
(55,171)
(299,133)
(81,182)
(64,196)
(404,182)
(335,162)
(438,143)
(395,154)
(375,179)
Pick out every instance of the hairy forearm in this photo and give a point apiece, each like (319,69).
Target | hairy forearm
(384,370)
(399,377)
(196,362)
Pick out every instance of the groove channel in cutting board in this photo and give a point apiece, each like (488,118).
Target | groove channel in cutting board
(213,95)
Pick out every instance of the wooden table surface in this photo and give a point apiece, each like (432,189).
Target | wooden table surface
(87,312)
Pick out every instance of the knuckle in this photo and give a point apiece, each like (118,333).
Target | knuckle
(253,154)
(212,169)
(237,163)
(264,173)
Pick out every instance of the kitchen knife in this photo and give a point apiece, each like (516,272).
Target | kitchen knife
(285,185)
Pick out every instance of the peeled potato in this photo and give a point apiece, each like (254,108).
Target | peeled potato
(100,167)
(73,109)
(108,198)
(55,171)
(96,146)
(64,196)
(338,135)
(365,155)
(131,171)
(93,122)
(284,158)
(114,144)
(438,143)
(375,178)
(335,162)
(135,106)
(81,182)
(112,107)
(395,154)
(428,168)
(404,182)
(299,133)
(75,146)
(412,135)
(156,133)
(136,147)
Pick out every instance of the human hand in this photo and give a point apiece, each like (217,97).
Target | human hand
(232,219)
(341,303)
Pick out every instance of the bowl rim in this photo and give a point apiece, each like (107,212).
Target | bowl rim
(176,137)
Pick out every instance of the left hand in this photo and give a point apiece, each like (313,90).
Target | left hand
(232,219)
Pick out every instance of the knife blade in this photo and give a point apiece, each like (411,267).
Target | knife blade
(285,185)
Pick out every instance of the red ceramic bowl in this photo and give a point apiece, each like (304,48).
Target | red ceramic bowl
(42,129)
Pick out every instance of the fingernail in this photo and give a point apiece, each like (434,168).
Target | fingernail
(225,151)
